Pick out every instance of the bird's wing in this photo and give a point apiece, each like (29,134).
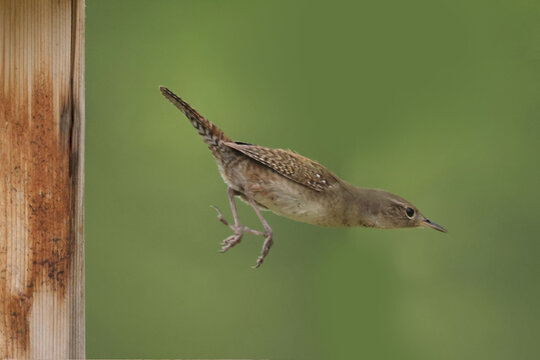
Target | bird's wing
(289,164)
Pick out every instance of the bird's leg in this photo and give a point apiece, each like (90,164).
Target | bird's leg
(237,228)
(268,241)
(234,239)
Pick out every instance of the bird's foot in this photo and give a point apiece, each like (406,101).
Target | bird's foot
(234,239)
(239,231)
(268,241)
(231,241)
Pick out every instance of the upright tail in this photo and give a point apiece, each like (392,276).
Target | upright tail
(212,135)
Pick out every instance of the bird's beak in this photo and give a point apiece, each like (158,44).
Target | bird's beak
(431,224)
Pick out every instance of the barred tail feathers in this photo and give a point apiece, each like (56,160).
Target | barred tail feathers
(212,135)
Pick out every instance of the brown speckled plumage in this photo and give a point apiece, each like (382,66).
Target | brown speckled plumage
(289,164)
(294,186)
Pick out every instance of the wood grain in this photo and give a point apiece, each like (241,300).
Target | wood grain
(41,179)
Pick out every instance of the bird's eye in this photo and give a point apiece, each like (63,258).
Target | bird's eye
(410,212)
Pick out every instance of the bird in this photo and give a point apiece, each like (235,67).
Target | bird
(293,186)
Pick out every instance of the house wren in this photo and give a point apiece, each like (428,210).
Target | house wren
(294,186)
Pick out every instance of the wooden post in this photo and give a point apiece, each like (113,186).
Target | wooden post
(41,179)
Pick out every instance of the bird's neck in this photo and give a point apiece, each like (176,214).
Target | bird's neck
(359,206)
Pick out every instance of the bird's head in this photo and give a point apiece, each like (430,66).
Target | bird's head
(387,210)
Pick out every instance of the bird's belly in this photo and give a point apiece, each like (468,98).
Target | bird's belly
(277,193)
(295,207)
(289,199)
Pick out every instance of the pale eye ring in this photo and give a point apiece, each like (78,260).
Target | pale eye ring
(410,212)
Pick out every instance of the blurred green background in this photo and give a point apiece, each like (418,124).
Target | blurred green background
(437,101)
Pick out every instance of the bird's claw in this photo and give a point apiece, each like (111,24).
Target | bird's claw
(230,241)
